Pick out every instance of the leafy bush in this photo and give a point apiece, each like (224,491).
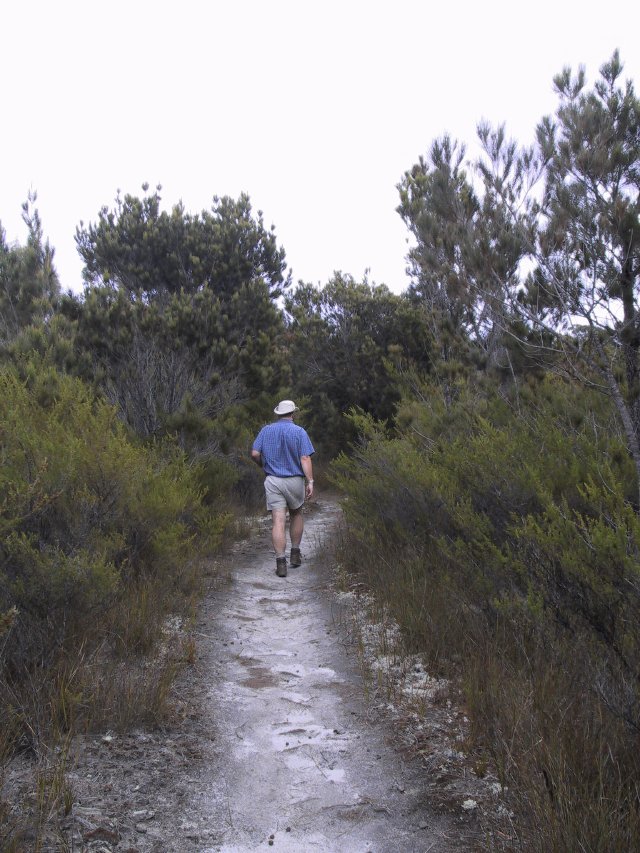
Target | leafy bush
(84,513)
(499,531)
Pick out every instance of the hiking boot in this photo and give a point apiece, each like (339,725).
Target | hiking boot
(281,567)
(296,557)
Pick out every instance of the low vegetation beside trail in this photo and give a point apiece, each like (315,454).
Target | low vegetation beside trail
(101,542)
(500,540)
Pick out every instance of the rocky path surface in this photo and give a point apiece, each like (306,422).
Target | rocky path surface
(275,746)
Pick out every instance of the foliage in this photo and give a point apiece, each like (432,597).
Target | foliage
(29,284)
(498,531)
(464,254)
(589,242)
(540,245)
(178,323)
(348,341)
(85,513)
(150,253)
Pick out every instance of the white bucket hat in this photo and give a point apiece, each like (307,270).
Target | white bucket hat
(286,407)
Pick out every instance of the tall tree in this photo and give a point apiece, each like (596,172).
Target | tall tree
(151,253)
(29,285)
(179,317)
(464,253)
(544,242)
(579,300)
(440,209)
(588,253)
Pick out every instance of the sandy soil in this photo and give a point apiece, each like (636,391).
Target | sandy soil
(277,739)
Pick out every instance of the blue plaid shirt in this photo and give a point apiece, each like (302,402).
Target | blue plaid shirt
(282,444)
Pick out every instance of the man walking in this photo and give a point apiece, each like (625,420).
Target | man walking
(284,450)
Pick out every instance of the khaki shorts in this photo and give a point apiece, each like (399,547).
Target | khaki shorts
(283,492)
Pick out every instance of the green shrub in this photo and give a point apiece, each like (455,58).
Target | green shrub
(499,532)
(84,512)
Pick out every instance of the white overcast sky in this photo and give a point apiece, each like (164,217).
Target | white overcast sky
(315,109)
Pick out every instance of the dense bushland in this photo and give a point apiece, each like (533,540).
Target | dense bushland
(497,513)
(497,530)
(91,523)
(125,415)
(114,479)
(344,343)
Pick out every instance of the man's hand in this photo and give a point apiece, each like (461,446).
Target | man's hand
(307,468)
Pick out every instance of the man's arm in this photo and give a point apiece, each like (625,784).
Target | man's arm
(257,457)
(307,467)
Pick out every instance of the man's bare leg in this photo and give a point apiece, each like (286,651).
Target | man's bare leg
(278,532)
(296,526)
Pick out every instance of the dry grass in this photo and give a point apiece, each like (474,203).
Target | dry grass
(116,680)
(573,767)
(569,761)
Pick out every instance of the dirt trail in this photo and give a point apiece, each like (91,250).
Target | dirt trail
(276,746)
(300,764)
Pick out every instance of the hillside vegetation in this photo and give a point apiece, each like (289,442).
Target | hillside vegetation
(484,428)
